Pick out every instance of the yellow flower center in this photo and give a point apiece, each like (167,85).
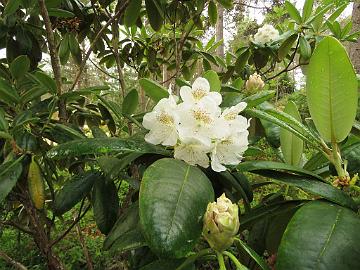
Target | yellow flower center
(202,116)
(199,94)
(165,119)
(230,116)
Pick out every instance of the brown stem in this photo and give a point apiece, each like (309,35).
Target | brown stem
(55,61)
(17,226)
(84,247)
(11,261)
(98,35)
(71,227)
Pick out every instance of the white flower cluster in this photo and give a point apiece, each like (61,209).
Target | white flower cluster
(197,127)
(266,34)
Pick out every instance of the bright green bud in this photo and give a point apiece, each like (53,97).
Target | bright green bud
(221,223)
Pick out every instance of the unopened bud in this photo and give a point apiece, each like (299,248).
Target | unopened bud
(221,223)
(254,83)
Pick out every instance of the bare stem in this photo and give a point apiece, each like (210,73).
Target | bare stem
(11,261)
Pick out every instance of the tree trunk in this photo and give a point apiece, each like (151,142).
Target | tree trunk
(220,31)
(355,47)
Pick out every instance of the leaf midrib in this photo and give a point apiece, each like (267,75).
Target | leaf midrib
(178,200)
(328,238)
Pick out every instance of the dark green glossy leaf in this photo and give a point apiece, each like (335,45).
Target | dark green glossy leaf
(100,146)
(9,173)
(305,48)
(253,166)
(132,12)
(322,189)
(46,81)
(258,98)
(326,237)
(4,125)
(130,240)
(73,191)
(105,202)
(125,223)
(259,260)
(155,14)
(173,199)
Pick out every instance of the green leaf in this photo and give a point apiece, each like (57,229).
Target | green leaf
(305,48)
(4,125)
(173,199)
(19,66)
(241,61)
(226,3)
(154,90)
(75,49)
(287,122)
(307,9)
(322,189)
(60,13)
(258,259)
(32,94)
(214,81)
(212,11)
(166,264)
(155,14)
(286,46)
(130,102)
(130,240)
(318,16)
(332,90)
(254,166)
(132,12)
(64,49)
(326,237)
(78,93)
(293,12)
(8,94)
(73,191)
(258,98)
(125,223)
(9,174)
(105,202)
(291,146)
(11,7)
(46,81)
(337,12)
(100,146)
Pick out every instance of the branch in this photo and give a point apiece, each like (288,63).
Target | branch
(11,261)
(17,226)
(71,226)
(55,62)
(288,65)
(92,45)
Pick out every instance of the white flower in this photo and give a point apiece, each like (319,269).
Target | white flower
(201,121)
(162,123)
(199,92)
(236,122)
(266,34)
(229,151)
(193,152)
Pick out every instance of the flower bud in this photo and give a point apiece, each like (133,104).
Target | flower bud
(254,83)
(221,223)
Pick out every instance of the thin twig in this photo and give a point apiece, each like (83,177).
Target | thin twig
(11,261)
(17,226)
(288,65)
(92,45)
(71,226)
